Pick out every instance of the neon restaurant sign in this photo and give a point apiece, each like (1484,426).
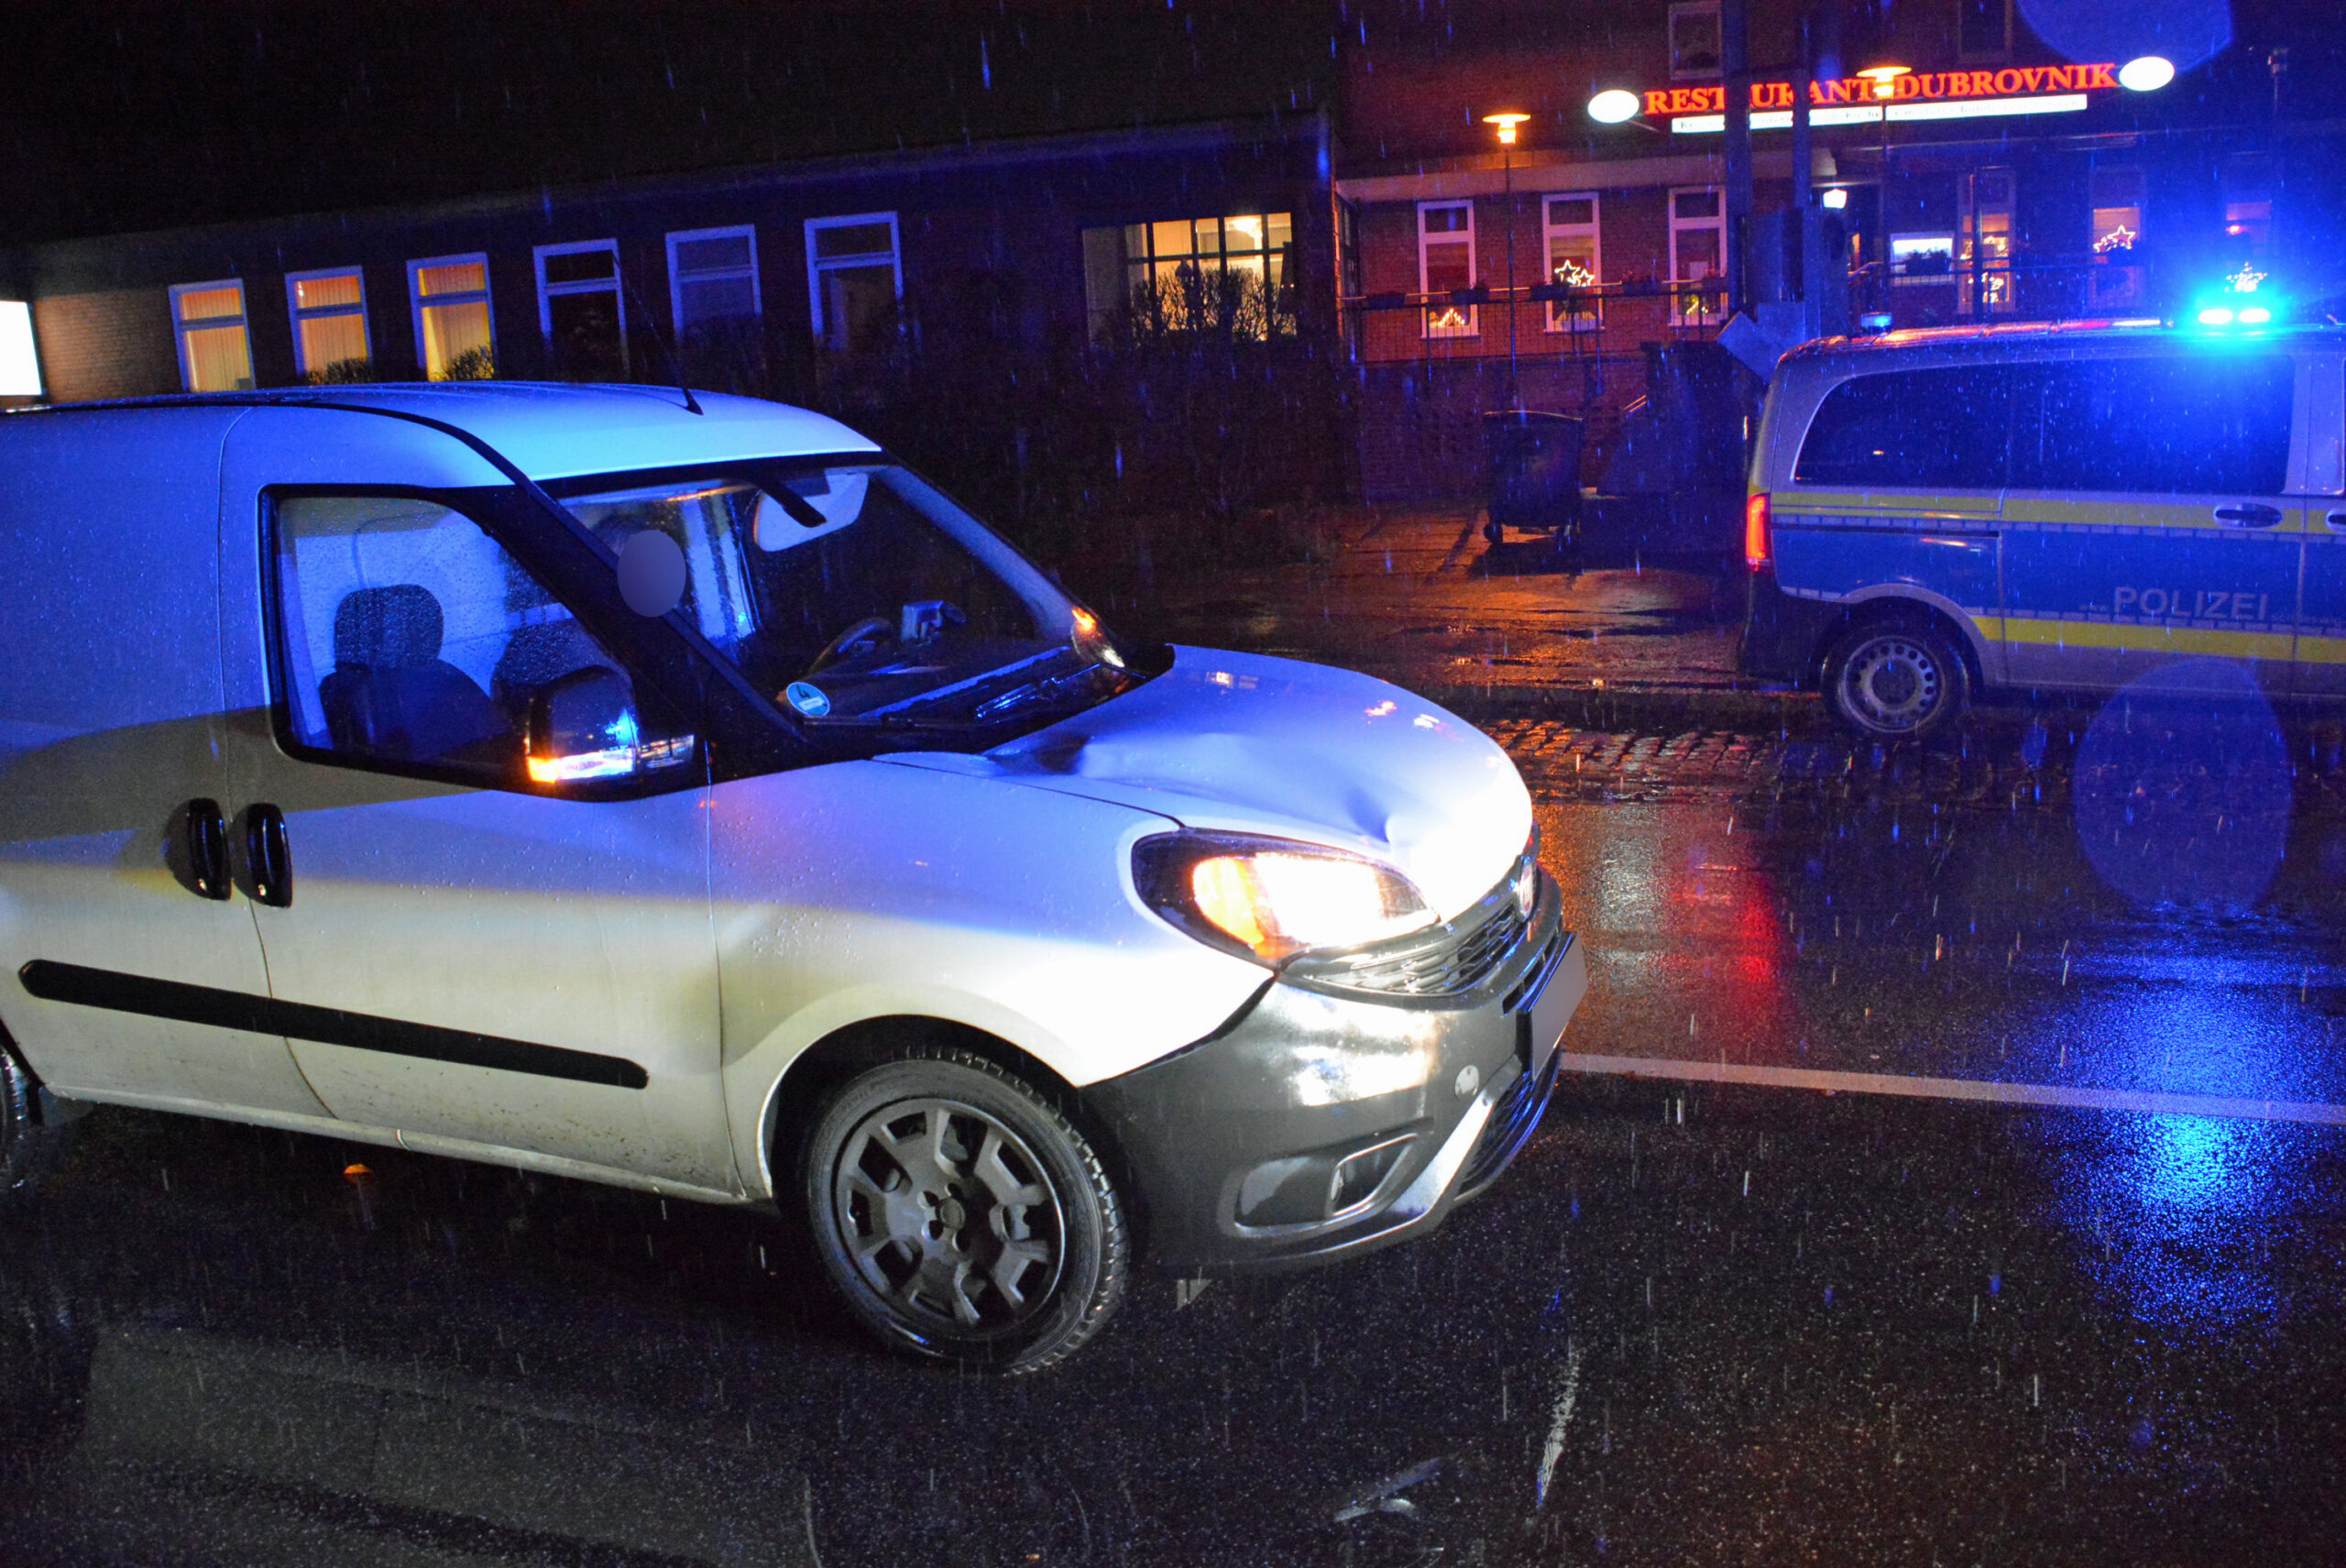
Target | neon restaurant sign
(1914,95)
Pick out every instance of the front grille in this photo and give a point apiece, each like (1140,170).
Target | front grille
(1513,1121)
(1444,961)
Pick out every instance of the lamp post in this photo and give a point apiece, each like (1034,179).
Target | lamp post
(1505,124)
(1885,88)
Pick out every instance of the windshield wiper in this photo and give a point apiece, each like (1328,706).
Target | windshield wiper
(1032,692)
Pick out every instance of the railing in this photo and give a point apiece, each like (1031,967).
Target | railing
(2021,288)
(1546,319)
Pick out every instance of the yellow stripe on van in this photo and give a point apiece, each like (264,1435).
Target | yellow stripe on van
(2049,509)
(2321,650)
(2180,641)
(1973,505)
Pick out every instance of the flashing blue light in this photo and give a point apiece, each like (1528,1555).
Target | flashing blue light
(2255,315)
(2215,315)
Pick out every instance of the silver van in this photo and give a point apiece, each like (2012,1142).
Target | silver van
(684,795)
(2068,508)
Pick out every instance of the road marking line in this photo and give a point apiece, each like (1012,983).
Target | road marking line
(2145,1101)
(1559,1417)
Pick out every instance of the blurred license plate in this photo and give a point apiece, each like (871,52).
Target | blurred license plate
(1551,1007)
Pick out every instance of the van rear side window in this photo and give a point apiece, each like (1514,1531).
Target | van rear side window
(1941,429)
(2202,424)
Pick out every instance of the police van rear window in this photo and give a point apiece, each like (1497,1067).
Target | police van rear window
(1944,429)
(2197,424)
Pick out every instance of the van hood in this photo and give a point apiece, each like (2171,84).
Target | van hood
(1237,743)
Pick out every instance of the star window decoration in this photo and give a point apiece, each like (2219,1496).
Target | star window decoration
(2120,238)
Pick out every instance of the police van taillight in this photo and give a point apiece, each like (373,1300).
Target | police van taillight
(1756,546)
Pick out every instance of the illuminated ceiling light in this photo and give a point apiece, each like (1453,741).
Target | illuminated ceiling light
(1837,198)
(1505,124)
(1613,105)
(1885,78)
(2147,74)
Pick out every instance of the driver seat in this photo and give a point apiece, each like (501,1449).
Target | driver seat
(392,694)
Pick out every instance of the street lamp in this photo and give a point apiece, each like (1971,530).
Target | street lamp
(1885,80)
(1505,123)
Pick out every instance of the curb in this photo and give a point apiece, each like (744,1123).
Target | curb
(1634,707)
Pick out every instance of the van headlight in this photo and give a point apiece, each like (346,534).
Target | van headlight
(1268,898)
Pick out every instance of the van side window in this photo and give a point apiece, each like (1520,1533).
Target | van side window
(410,640)
(2206,424)
(1944,429)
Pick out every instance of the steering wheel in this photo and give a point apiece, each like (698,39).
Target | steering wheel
(837,646)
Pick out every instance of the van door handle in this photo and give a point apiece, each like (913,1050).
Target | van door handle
(2337,519)
(204,849)
(2249,515)
(269,859)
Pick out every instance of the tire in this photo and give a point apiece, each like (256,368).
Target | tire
(27,1148)
(1896,680)
(961,1216)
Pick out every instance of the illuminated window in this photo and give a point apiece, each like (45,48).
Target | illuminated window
(1983,248)
(19,361)
(581,310)
(214,354)
(1575,258)
(1446,264)
(2116,228)
(329,324)
(1228,273)
(713,277)
(1697,254)
(454,338)
(1983,30)
(1922,257)
(855,278)
(1693,39)
(2249,180)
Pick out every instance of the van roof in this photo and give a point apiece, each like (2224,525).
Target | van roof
(553,430)
(2107,330)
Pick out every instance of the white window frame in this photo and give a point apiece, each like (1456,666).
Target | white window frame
(1551,231)
(815,269)
(1679,314)
(677,277)
(416,300)
(301,365)
(243,320)
(1670,37)
(1428,325)
(615,285)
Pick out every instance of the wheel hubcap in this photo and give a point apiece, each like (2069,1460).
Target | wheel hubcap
(952,1220)
(1892,684)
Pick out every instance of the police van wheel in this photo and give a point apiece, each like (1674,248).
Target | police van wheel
(961,1216)
(1895,681)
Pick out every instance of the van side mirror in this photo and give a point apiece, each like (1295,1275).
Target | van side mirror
(583,725)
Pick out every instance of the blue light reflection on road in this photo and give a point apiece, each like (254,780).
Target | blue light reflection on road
(2190,1024)
(2188,1213)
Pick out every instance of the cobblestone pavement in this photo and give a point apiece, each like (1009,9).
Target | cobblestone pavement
(2007,763)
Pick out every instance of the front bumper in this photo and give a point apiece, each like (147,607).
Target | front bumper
(1321,1122)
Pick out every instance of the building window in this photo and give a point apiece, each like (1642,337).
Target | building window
(1983,244)
(1446,264)
(855,278)
(1230,273)
(1693,39)
(329,325)
(2248,185)
(453,336)
(713,279)
(580,310)
(1697,252)
(2117,229)
(1922,257)
(1574,260)
(1983,30)
(215,356)
(20,359)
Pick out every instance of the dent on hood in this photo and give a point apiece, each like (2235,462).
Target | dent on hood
(1240,743)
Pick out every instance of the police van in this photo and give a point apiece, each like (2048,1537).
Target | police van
(2074,506)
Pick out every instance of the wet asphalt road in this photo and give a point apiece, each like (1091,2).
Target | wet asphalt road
(1704,1322)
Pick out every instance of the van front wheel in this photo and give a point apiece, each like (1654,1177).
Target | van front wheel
(1895,681)
(961,1216)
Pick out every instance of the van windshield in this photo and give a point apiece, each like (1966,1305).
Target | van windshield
(856,592)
